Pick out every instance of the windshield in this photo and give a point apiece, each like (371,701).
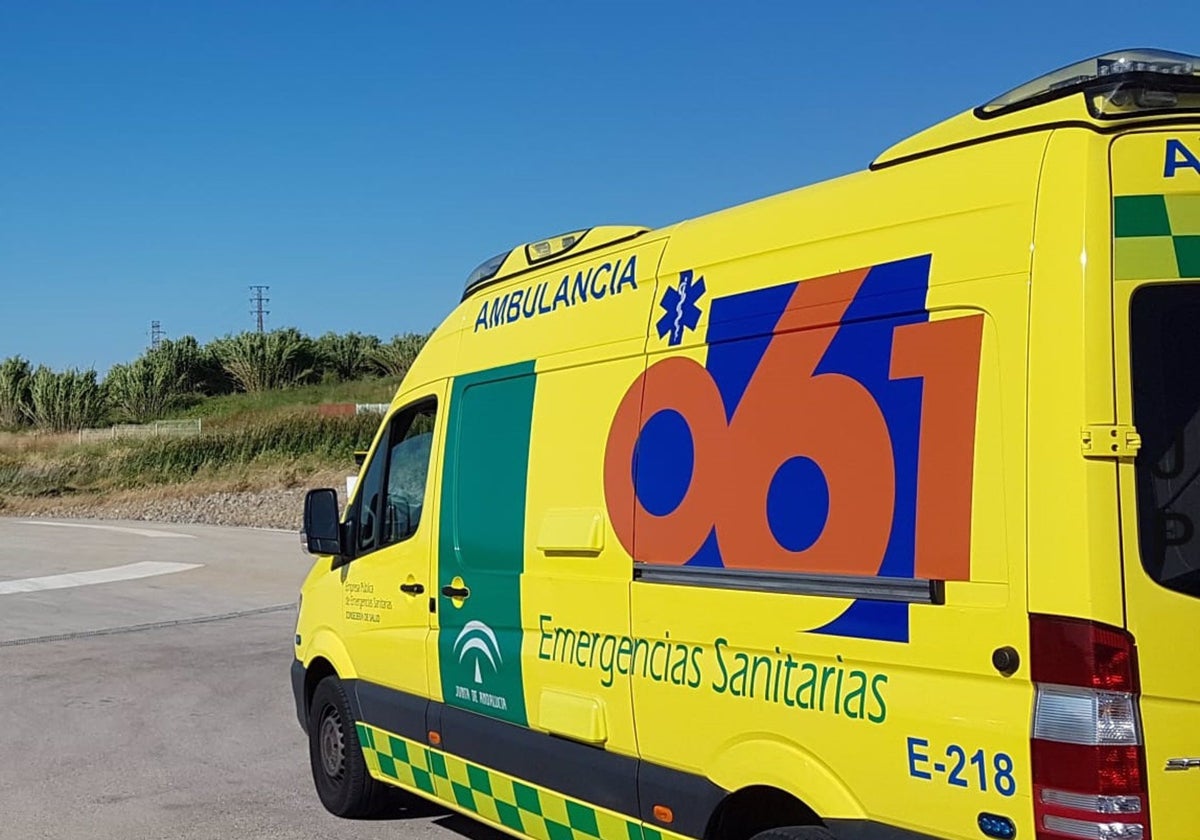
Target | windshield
(1164,329)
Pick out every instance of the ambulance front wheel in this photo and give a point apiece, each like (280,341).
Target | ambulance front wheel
(795,832)
(340,774)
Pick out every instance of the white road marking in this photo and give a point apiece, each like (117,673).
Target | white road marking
(132,571)
(141,532)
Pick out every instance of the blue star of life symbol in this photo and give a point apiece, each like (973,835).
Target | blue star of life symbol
(682,311)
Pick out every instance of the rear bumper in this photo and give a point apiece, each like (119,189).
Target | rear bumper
(298,693)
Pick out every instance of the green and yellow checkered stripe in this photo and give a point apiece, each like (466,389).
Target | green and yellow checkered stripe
(492,796)
(1157,236)
(397,759)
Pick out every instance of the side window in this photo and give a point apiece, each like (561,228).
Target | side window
(368,513)
(408,471)
(1166,409)
(393,488)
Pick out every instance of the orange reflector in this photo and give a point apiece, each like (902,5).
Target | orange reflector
(664,814)
(435,738)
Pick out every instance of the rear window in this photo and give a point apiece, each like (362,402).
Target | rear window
(1165,343)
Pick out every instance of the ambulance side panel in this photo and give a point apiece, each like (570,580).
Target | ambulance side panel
(1073,518)
(833,621)
(524,528)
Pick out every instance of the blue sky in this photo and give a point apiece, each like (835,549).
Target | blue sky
(360,158)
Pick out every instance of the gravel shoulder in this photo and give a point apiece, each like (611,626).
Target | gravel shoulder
(203,504)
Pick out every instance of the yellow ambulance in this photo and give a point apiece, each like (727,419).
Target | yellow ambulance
(867,510)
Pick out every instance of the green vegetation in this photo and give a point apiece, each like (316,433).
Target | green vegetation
(397,356)
(354,355)
(14,392)
(266,361)
(242,408)
(149,387)
(256,393)
(299,442)
(180,376)
(70,399)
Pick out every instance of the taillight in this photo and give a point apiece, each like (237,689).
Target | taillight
(1089,764)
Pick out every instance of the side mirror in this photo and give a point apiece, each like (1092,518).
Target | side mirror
(322,530)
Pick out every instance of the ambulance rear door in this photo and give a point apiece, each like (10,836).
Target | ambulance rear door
(1156,272)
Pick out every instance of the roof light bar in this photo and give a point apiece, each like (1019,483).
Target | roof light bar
(1121,83)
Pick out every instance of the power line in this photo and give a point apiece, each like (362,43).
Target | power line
(259,300)
(156,334)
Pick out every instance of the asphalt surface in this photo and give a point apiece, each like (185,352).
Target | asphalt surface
(159,706)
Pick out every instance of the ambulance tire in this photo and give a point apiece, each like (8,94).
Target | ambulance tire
(795,832)
(339,771)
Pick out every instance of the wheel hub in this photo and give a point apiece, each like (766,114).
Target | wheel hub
(333,744)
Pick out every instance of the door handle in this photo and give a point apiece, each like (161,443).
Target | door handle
(412,588)
(456,591)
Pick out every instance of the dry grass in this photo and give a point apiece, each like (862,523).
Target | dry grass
(249,468)
(283,452)
(41,442)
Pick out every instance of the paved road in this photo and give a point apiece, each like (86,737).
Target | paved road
(127,711)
